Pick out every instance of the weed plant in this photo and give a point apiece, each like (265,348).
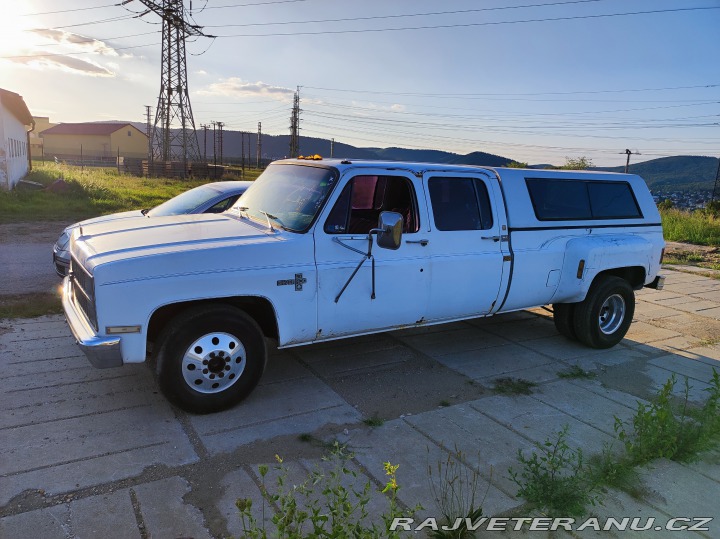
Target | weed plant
(555,478)
(324,505)
(455,488)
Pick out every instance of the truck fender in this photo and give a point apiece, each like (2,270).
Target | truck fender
(589,256)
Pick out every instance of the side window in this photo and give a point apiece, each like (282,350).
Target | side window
(364,197)
(460,204)
(572,200)
(223,205)
(612,201)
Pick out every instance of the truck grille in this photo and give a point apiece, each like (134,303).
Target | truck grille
(83,290)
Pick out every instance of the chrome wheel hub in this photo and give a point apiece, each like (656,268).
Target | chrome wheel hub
(214,362)
(612,314)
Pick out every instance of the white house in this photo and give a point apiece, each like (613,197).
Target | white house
(15,119)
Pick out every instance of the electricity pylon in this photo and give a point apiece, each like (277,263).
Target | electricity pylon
(173,137)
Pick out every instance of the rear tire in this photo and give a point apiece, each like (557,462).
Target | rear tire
(210,358)
(604,317)
(563,314)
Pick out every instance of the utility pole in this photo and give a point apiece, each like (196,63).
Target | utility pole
(205,128)
(716,187)
(242,152)
(627,163)
(220,140)
(148,132)
(258,160)
(214,124)
(295,125)
(174,136)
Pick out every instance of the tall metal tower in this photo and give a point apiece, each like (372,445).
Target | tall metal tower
(174,136)
(258,158)
(295,125)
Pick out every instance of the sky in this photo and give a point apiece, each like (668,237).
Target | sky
(536,81)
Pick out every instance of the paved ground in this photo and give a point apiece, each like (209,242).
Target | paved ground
(91,453)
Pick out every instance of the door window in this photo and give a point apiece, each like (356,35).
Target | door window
(460,204)
(365,197)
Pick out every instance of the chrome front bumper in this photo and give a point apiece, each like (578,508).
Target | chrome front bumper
(103,352)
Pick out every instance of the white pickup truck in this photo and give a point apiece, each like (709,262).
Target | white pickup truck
(324,249)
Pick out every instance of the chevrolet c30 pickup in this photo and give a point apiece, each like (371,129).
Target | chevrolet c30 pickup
(317,250)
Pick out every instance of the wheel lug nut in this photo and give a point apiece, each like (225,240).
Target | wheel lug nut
(205,371)
(227,367)
(212,377)
(205,361)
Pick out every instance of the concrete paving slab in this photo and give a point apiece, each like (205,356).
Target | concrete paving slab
(292,407)
(537,421)
(660,376)
(642,332)
(558,347)
(51,523)
(452,342)
(645,311)
(239,485)
(85,451)
(674,344)
(537,375)
(400,444)
(165,513)
(628,513)
(710,313)
(698,306)
(692,494)
(708,464)
(352,363)
(335,350)
(691,324)
(524,330)
(493,362)
(574,399)
(487,446)
(612,357)
(105,515)
(685,366)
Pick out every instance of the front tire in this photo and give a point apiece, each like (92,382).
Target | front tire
(210,358)
(604,317)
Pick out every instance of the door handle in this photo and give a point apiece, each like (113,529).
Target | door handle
(421,242)
(504,237)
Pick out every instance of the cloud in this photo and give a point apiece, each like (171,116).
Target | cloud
(201,72)
(77,41)
(236,87)
(69,64)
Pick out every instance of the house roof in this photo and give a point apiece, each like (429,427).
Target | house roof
(89,128)
(16,105)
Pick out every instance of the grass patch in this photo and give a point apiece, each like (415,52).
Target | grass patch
(444,403)
(699,228)
(513,386)
(89,193)
(374,421)
(30,305)
(576,372)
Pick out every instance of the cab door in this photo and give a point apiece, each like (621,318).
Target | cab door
(466,252)
(350,304)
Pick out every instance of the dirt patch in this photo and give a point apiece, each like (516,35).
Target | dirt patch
(701,256)
(31,232)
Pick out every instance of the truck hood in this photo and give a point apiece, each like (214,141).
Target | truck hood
(106,243)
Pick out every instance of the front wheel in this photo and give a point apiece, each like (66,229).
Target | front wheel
(210,358)
(604,317)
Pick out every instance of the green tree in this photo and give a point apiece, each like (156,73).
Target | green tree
(579,163)
(517,164)
(666,204)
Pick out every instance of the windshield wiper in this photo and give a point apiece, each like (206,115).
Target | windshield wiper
(274,218)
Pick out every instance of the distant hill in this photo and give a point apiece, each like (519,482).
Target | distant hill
(678,173)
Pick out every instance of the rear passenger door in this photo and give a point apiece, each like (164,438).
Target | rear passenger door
(466,251)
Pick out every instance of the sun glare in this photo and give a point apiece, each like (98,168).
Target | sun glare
(14,38)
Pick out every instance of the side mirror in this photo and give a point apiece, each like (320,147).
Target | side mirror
(389,230)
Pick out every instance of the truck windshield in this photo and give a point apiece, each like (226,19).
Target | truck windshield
(186,202)
(291,194)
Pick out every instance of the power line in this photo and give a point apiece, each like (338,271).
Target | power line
(67,10)
(407,15)
(256,4)
(574,92)
(475,24)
